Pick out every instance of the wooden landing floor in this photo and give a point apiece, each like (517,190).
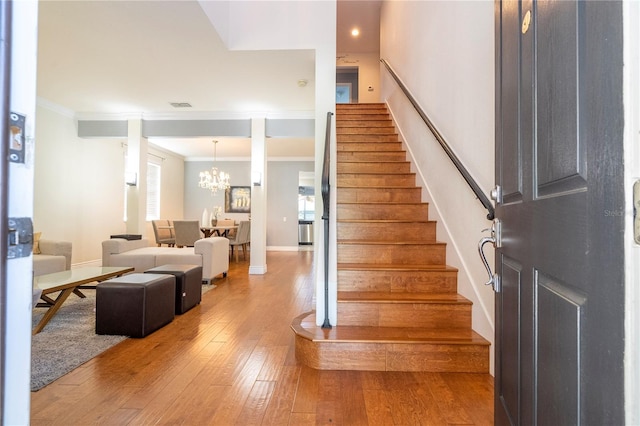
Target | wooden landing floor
(231,361)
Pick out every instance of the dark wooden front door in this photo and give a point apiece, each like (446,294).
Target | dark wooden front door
(559,134)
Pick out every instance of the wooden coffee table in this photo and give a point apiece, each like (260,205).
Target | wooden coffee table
(67,282)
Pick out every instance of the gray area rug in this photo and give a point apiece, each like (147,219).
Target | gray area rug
(69,339)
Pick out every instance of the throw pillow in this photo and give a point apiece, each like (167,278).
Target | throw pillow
(36,243)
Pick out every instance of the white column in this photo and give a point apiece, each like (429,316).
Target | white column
(258,262)
(137,147)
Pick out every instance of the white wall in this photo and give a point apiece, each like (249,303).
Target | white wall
(79,185)
(444,53)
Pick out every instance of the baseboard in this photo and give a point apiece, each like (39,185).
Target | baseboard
(257,270)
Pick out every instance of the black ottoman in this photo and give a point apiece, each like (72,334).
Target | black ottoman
(188,284)
(135,305)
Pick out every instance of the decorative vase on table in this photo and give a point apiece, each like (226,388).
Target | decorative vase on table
(205,218)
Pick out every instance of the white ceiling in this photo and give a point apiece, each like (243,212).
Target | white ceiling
(97,58)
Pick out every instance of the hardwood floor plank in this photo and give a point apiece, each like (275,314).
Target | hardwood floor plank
(378,407)
(256,405)
(354,411)
(231,360)
(449,405)
(307,395)
(280,405)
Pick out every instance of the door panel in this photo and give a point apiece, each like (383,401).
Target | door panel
(558,351)
(557,94)
(510,332)
(559,315)
(511,172)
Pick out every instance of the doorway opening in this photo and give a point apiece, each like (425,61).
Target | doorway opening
(306,208)
(347,85)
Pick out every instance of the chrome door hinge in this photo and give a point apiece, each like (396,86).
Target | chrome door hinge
(636,212)
(20,237)
(496,194)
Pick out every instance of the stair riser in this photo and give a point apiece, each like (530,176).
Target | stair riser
(398,281)
(367,124)
(371,156)
(366,138)
(391,167)
(434,358)
(371,146)
(395,231)
(359,117)
(348,107)
(384,254)
(412,315)
(373,130)
(343,110)
(378,195)
(365,180)
(383,211)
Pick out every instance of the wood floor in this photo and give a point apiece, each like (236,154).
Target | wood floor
(231,361)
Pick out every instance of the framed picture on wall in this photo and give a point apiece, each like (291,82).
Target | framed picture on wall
(237,199)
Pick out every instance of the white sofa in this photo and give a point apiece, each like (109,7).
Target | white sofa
(210,253)
(54,256)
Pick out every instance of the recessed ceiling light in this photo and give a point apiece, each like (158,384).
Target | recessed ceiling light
(355,32)
(180,104)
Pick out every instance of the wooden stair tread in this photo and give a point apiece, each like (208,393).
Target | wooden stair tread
(377,203)
(387,297)
(392,243)
(360,174)
(390,221)
(394,267)
(354,161)
(304,326)
(376,187)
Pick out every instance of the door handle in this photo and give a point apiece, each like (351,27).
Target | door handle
(494,279)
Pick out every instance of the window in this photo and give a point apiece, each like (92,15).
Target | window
(153,191)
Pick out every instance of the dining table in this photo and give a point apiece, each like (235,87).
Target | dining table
(220,231)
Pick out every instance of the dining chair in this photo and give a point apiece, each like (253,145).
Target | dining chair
(187,232)
(231,233)
(241,239)
(163,232)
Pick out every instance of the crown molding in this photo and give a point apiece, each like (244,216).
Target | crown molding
(43,103)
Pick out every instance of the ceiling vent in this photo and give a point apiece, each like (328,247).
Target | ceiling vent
(180,104)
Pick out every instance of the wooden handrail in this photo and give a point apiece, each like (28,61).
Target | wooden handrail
(445,146)
(326,198)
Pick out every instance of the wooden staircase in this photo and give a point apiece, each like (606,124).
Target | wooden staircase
(398,307)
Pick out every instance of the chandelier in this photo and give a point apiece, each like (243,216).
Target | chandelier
(214,180)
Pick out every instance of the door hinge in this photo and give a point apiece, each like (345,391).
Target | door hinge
(496,194)
(20,237)
(636,212)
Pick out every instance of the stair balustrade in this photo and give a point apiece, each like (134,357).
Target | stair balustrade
(326,207)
